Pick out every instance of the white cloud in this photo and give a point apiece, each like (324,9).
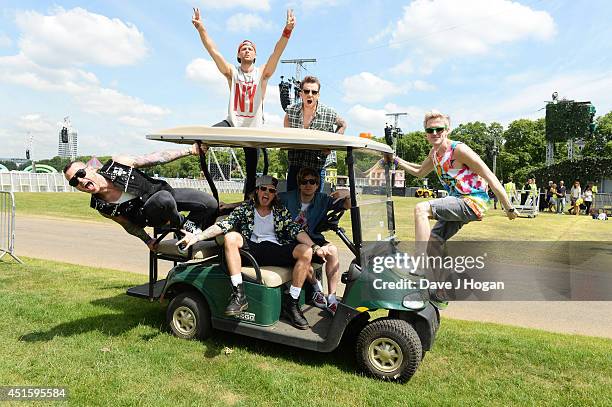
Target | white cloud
(385,32)
(367,87)
(274,120)
(245,23)
(262,5)
(135,121)
(363,117)
(5,41)
(78,37)
(450,28)
(82,86)
(405,67)
(319,5)
(205,72)
(423,86)
(36,123)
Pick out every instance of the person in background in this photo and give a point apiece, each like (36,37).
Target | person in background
(588,199)
(575,197)
(561,192)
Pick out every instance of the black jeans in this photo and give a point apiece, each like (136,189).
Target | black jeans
(251,156)
(162,207)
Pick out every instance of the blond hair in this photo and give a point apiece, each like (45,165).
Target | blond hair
(434,114)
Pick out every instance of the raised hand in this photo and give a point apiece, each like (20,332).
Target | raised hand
(290,20)
(195,19)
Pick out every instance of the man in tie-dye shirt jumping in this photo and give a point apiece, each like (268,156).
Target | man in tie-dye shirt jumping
(465,177)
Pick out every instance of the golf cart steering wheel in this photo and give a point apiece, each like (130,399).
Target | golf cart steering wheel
(331,220)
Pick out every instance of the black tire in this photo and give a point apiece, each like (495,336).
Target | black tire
(389,349)
(188,316)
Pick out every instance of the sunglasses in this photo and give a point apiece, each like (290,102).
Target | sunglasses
(270,190)
(431,130)
(308,181)
(310,92)
(74,181)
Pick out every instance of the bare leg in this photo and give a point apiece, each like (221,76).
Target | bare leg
(422,214)
(303,255)
(332,268)
(233,242)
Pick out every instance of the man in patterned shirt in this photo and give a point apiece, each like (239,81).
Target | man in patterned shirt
(309,113)
(265,228)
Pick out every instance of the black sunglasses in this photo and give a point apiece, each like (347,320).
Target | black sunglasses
(310,92)
(431,130)
(74,181)
(269,189)
(308,181)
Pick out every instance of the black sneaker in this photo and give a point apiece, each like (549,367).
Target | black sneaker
(238,301)
(292,311)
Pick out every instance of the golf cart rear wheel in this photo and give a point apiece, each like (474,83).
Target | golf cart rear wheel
(188,316)
(389,349)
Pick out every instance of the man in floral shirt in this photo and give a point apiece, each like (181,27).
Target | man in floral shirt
(265,228)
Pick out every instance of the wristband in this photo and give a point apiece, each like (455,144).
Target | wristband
(287,33)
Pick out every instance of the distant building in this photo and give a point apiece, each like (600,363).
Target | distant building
(376,176)
(67,146)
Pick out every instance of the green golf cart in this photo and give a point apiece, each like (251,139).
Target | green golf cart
(390,329)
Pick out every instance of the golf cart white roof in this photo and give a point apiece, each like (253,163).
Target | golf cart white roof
(299,139)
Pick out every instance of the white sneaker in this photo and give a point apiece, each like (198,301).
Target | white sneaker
(191,227)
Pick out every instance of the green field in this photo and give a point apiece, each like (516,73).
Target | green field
(495,226)
(65,325)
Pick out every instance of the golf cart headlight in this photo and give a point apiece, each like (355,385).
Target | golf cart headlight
(413,301)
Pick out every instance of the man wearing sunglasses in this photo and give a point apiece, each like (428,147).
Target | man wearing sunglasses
(247,85)
(465,177)
(263,227)
(309,113)
(126,195)
(308,207)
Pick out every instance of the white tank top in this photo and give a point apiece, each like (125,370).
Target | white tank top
(263,229)
(245,107)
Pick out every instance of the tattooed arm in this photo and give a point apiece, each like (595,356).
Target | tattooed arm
(134,230)
(340,125)
(160,157)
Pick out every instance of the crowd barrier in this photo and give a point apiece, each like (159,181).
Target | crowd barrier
(7,225)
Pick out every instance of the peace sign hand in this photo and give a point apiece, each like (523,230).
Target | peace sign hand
(195,19)
(290,20)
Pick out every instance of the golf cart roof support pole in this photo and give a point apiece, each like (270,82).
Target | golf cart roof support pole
(204,168)
(355,213)
(389,185)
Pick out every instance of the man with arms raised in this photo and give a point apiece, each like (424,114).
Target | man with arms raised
(265,228)
(123,193)
(309,113)
(247,85)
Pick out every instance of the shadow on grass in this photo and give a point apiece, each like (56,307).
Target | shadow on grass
(130,313)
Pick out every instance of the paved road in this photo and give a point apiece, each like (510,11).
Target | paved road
(67,240)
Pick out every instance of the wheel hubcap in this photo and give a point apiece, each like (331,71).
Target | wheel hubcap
(385,354)
(184,320)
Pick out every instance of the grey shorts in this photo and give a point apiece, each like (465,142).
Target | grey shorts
(451,214)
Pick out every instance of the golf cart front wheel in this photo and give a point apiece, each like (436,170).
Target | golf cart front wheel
(389,349)
(188,316)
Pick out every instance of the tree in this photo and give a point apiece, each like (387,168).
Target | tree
(598,145)
(11,166)
(525,140)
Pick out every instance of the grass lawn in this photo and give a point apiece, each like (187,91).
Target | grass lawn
(66,325)
(495,226)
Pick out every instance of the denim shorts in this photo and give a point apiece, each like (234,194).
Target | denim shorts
(451,214)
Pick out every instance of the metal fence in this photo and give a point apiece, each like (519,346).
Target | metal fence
(7,225)
(16,181)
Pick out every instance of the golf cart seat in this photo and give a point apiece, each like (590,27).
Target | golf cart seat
(199,251)
(271,276)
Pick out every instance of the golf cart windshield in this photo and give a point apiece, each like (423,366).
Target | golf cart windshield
(374,196)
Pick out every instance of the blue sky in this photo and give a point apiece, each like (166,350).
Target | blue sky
(121,69)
